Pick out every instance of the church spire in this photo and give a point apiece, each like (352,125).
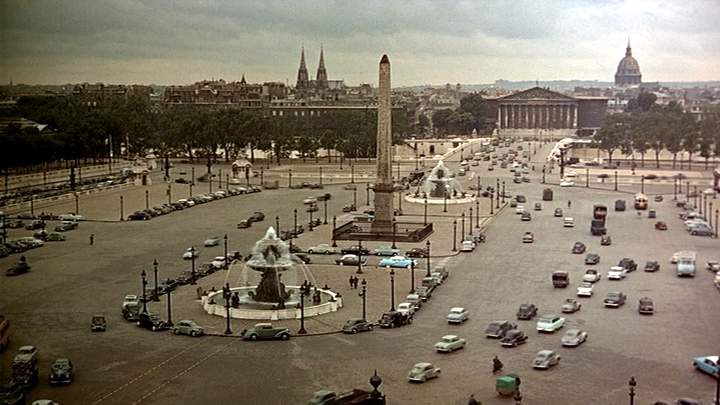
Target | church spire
(302,77)
(242,81)
(322,80)
(628,50)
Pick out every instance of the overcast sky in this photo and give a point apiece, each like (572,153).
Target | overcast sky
(428,42)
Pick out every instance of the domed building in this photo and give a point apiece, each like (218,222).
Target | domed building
(628,71)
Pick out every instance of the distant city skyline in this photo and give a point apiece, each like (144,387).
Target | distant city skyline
(429,42)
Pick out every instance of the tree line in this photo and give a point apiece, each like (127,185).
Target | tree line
(647,127)
(195,132)
(474,112)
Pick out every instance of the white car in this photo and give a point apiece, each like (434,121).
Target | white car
(617,273)
(71,217)
(677,255)
(190,252)
(570,174)
(422,372)
(130,299)
(406,308)
(567,183)
(458,315)
(591,276)
(310,201)
(218,262)
(550,323)
(585,289)
(568,222)
(519,209)
(449,343)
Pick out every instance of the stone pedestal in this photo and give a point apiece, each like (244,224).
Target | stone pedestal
(383,208)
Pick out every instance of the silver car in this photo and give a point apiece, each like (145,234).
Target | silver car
(574,337)
(458,315)
(323,248)
(422,372)
(546,359)
(449,343)
(186,327)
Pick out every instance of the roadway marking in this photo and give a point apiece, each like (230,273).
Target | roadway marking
(122,387)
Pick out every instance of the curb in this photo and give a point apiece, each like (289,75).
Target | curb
(292,335)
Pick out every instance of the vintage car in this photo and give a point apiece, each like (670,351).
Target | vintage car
(546,359)
(265,331)
(526,311)
(646,306)
(449,343)
(513,338)
(573,337)
(422,372)
(571,305)
(458,315)
(393,318)
(355,325)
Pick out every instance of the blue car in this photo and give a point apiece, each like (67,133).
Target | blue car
(397,262)
(708,364)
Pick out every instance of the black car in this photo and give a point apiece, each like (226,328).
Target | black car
(578,248)
(20,268)
(245,223)
(152,321)
(139,216)
(498,329)
(628,264)
(184,278)
(356,325)
(35,225)
(131,312)
(61,372)
(652,266)
(620,205)
(393,318)
(513,338)
(257,216)
(526,311)
(66,226)
(416,252)
(592,258)
(166,286)
(355,249)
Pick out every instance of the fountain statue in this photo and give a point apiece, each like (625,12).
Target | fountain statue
(441,183)
(270,257)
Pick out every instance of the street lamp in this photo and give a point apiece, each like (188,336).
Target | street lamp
(277,223)
(503,192)
(294,232)
(355,197)
(427,245)
(122,209)
(169,307)
(642,184)
(192,259)
(394,232)
(616,186)
(425,213)
(632,383)
(290,178)
(225,260)
(470,224)
(367,193)
(144,284)
(359,255)
(462,223)
(543,172)
(227,293)
(310,224)
(497,194)
(392,289)
(454,248)
(445,201)
(363,295)
(325,222)
(491,201)
(334,244)
(156,297)
(477,211)
(412,276)
(303,292)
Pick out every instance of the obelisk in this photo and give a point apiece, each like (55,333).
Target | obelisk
(384,185)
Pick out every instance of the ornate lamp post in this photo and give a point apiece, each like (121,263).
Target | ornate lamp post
(363,295)
(352,174)
(616,186)
(642,184)
(303,292)
(477,216)
(462,225)
(310,223)
(503,192)
(225,260)
(334,244)
(392,289)
(320,175)
(427,245)
(412,276)
(144,284)
(156,296)
(394,233)
(227,294)
(632,383)
(445,202)
(470,224)
(294,232)
(454,249)
(122,209)
(497,194)
(290,178)
(359,255)
(674,189)
(169,307)
(192,259)
(491,201)
(587,177)
(425,213)
(367,193)
(277,223)
(325,221)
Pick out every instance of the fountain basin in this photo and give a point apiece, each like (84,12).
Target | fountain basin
(214,304)
(440,201)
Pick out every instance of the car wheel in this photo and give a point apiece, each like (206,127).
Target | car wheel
(154,328)
(342,263)
(354,330)
(193,333)
(284,336)
(370,327)
(176,332)
(310,251)
(409,321)
(138,323)
(253,337)
(327,252)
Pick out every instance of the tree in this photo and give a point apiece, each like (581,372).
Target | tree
(440,119)
(642,103)
(423,124)
(610,135)
(691,137)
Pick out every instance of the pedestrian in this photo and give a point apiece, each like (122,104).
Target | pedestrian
(351,281)
(356,282)
(92,239)
(473,401)
(569,204)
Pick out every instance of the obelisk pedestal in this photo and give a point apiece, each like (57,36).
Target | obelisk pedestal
(384,187)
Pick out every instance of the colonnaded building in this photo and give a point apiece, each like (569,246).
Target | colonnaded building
(540,112)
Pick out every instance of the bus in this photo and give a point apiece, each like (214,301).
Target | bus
(641,201)
(686,264)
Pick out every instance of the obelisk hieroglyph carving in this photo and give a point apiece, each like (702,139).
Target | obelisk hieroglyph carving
(384,185)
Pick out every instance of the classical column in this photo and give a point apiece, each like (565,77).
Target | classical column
(512,116)
(567,116)
(575,116)
(547,116)
(527,116)
(505,112)
(499,116)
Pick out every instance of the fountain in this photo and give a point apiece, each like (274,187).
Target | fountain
(440,187)
(271,298)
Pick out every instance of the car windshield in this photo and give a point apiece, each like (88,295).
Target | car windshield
(613,295)
(493,327)
(456,311)
(448,339)
(572,333)
(585,285)
(542,356)
(546,319)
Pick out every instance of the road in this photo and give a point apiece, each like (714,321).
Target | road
(51,308)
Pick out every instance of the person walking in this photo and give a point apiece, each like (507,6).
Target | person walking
(351,281)
(92,239)
(569,204)
(356,282)
(473,401)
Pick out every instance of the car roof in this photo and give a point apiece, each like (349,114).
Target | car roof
(457,309)
(447,337)
(545,352)
(423,364)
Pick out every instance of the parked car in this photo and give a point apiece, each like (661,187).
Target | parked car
(592,258)
(355,249)
(54,237)
(61,372)
(652,266)
(322,248)
(549,323)
(498,329)
(458,315)
(152,321)
(545,359)
(424,292)
(190,253)
(526,311)
(406,308)
(139,216)
(416,253)
(350,260)
(574,337)
(701,230)
(571,305)
(188,327)
(265,331)
(450,343)
(585,289)
(397,262)
(394,318)
(628,264)
(513,338)
(646,306)
(614,299)
(36,224)
(422,372)
(385,251)
(605,240)
(65,226)
(355,325)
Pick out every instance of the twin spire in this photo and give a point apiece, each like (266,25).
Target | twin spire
(303,79)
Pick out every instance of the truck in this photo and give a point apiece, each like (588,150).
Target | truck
(24,370)
(686,264)
(597,224)
(560,279)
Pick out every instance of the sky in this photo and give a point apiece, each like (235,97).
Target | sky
(428,41)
